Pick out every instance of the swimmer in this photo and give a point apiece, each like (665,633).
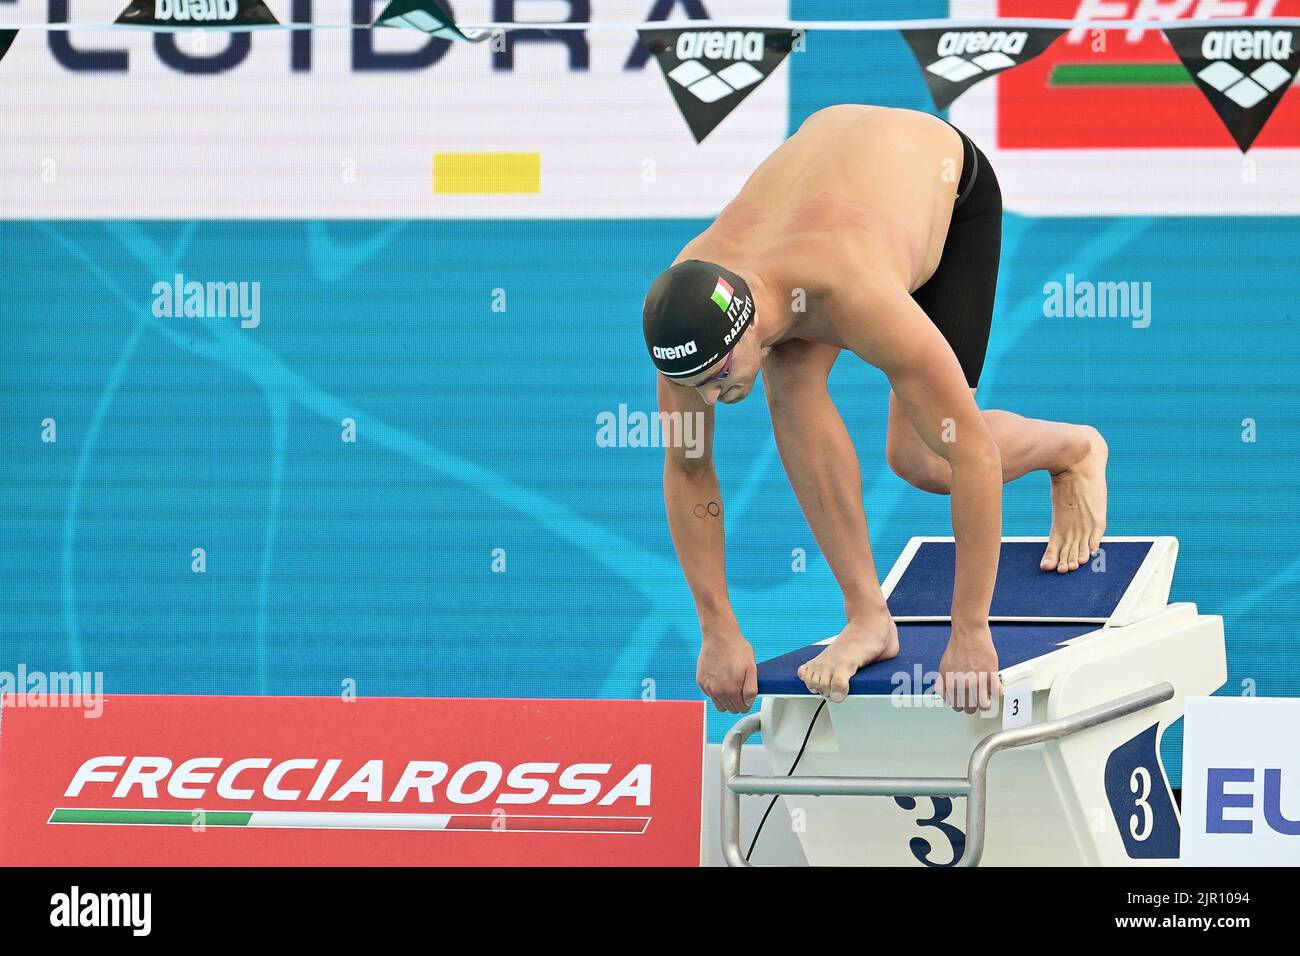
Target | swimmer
(875,231)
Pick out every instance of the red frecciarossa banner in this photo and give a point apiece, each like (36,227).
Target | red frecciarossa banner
(306,781)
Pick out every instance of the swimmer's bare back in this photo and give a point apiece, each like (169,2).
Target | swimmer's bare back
(857,187)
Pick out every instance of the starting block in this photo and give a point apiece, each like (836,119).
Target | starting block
(1095,666)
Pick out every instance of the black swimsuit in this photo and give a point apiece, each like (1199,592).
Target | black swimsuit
(958,298)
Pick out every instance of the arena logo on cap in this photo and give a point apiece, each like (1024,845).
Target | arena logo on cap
(675,351)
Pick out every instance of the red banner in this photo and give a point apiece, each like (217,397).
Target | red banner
(305,781)
(1126,89)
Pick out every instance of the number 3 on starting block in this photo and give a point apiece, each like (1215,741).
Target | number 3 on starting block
(1018,705)
(1139,799)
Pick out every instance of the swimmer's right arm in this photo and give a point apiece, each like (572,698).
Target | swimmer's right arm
(693,498)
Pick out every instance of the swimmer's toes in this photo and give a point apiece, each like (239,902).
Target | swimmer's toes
(1050,556)
(819,675)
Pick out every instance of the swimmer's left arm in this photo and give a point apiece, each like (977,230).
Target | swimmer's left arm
(885,326)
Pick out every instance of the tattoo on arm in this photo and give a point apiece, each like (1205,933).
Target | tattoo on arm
(712,509)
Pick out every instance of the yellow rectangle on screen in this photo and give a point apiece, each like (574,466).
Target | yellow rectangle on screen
(487,173)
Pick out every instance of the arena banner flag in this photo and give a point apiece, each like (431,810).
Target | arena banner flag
(952,61)
(1244,72)
(427,16)
(326,781)
(710,71)
(217,14)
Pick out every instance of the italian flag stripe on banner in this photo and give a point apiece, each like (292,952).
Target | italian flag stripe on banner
(325,820)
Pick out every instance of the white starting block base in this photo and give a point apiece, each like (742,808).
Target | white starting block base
(1096,794)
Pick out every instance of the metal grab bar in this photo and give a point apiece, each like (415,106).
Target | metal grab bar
(974,786)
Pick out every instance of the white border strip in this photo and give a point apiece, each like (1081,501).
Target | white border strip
(853,26)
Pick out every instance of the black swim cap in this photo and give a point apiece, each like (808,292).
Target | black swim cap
(694,314)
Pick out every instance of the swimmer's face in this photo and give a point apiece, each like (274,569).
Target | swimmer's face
(731,380)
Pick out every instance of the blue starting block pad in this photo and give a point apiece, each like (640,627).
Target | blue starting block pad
(1033,612)
(923,586)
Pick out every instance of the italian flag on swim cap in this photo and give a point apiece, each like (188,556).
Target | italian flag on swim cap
(722,294)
